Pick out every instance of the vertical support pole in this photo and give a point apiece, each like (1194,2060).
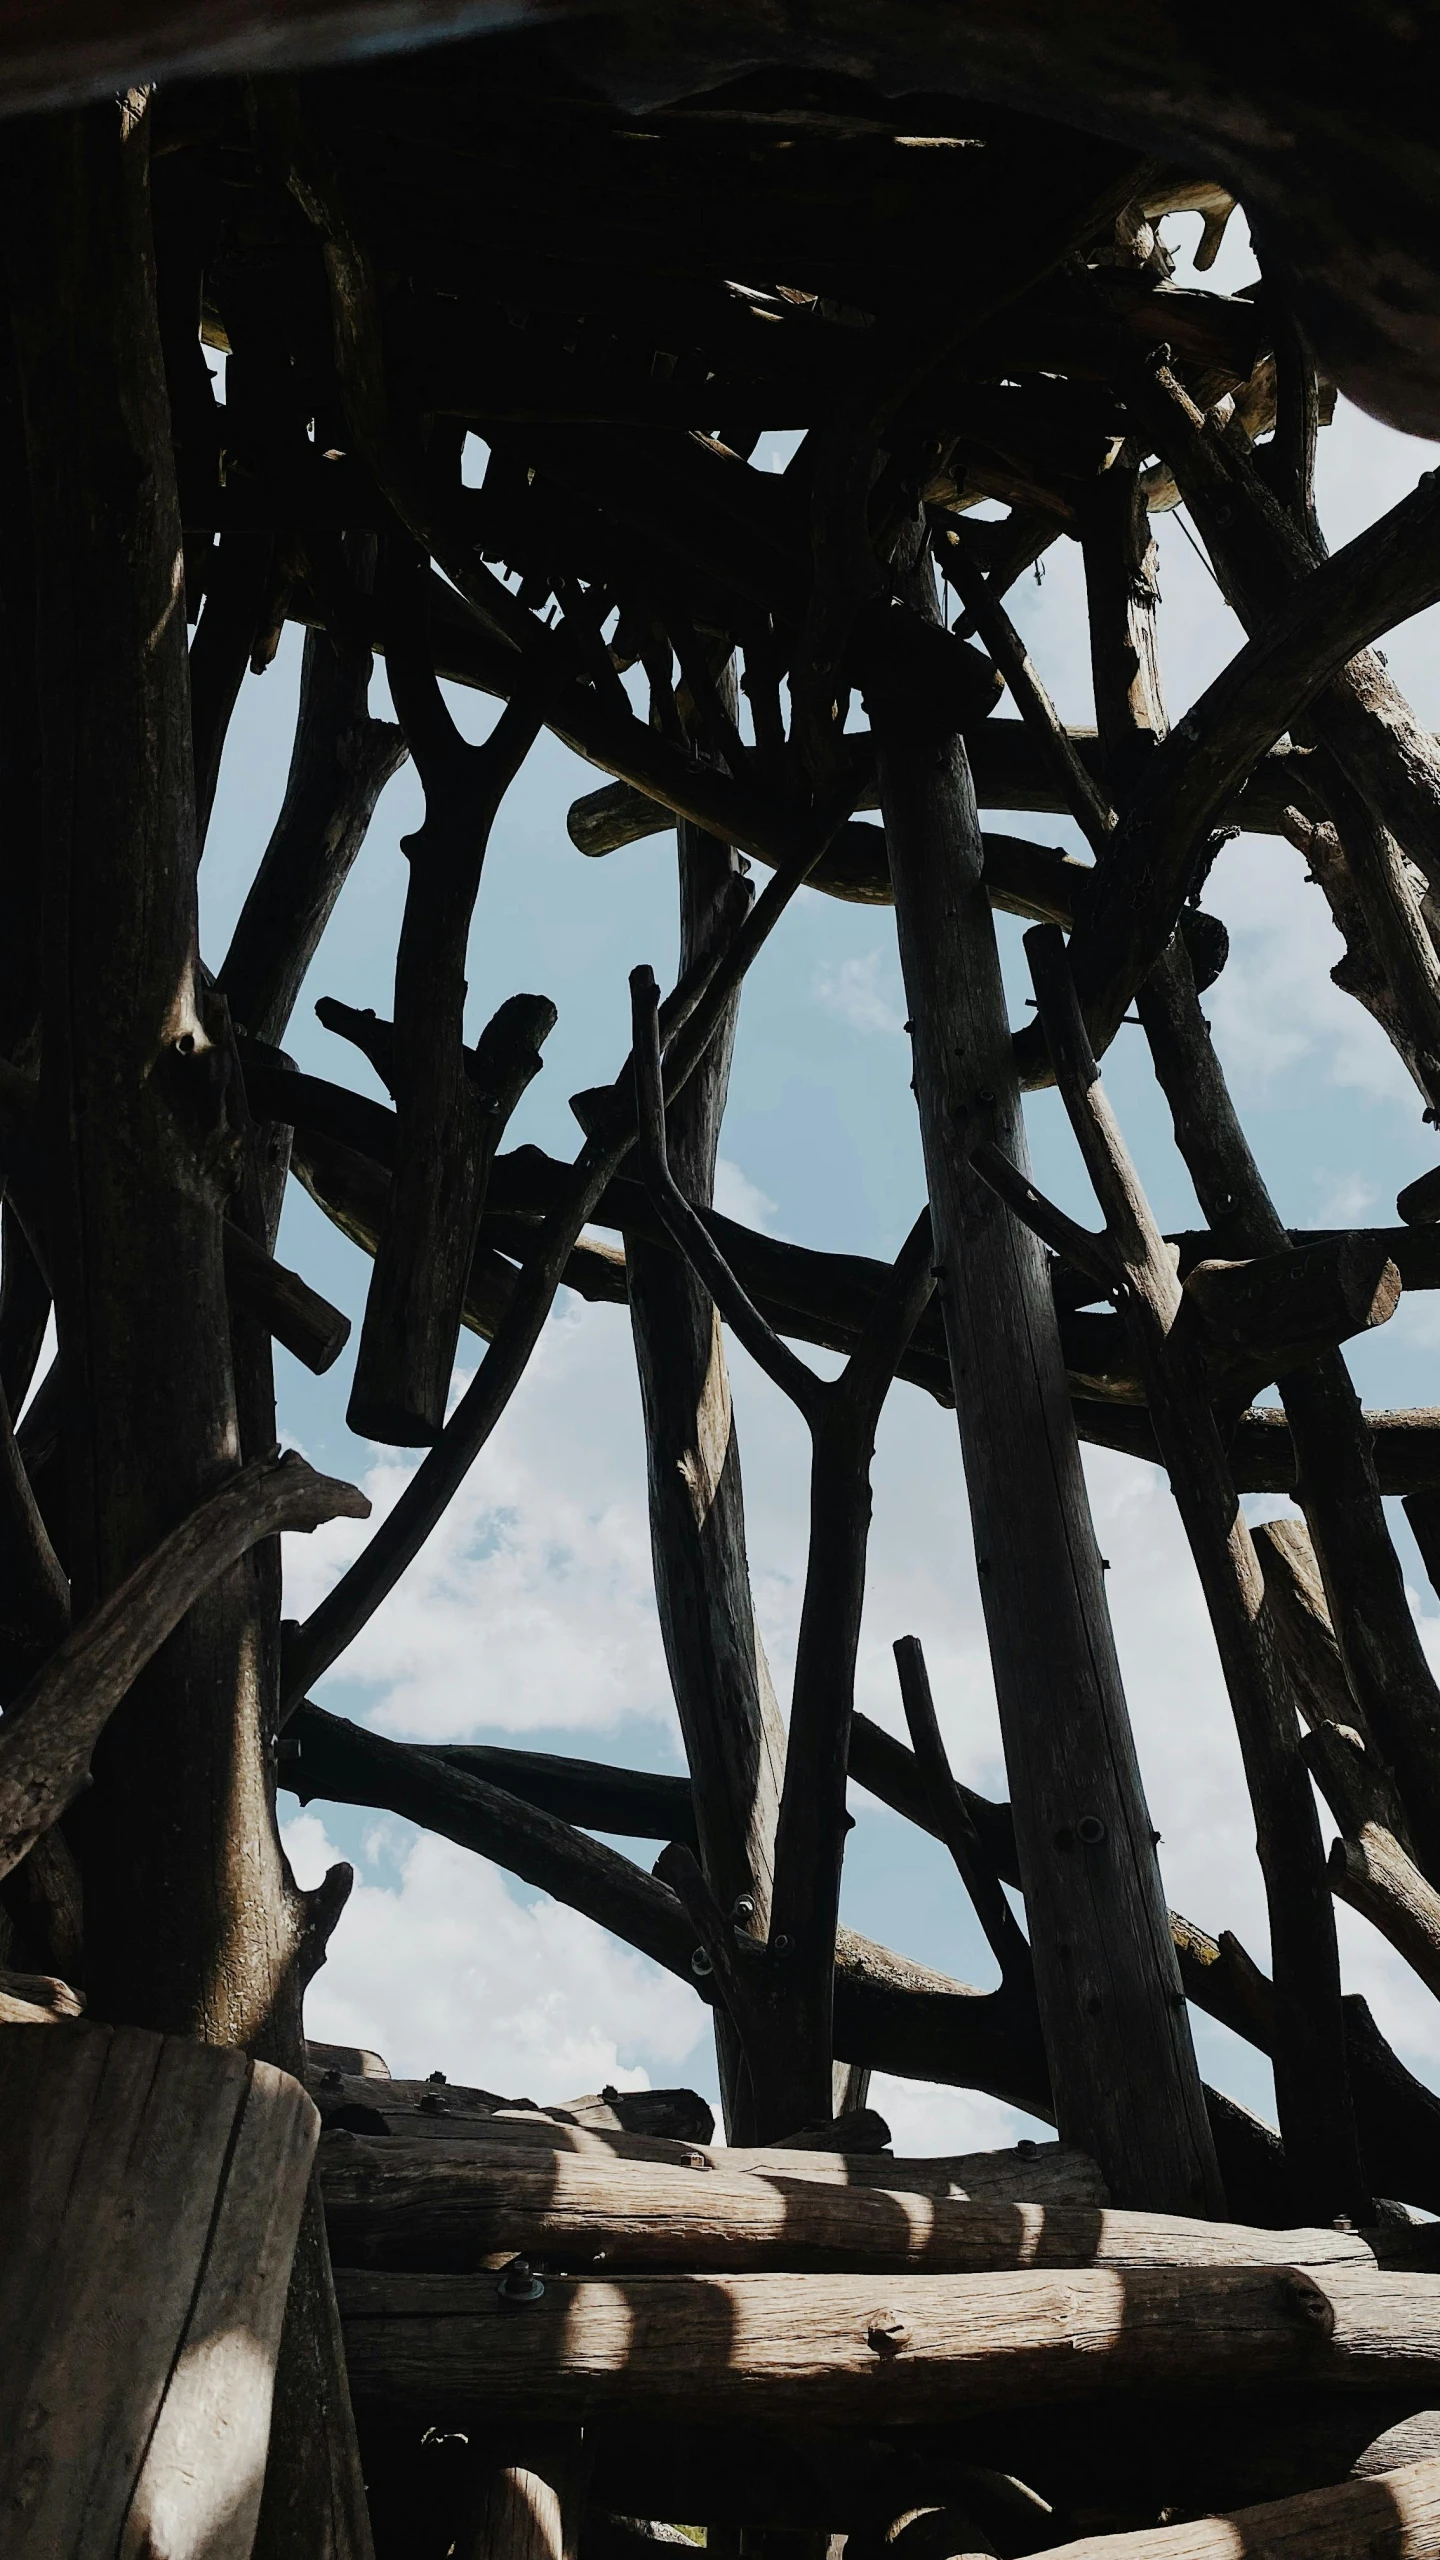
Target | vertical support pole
(193,1924)
(734,1740)
(1117,2036)
(530,2508)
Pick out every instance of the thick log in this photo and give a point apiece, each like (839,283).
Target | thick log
(387,2205)
(51,1729)
(1374,1875)
(150,2196)
(1311,2084)
(1116,2036)
(441,2109)
(826,2348)
(1394,2517)
(1041,2173)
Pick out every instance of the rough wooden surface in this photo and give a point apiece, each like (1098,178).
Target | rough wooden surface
(1117,2040)
(819,2347)
(414,2207)
(149,2204)
(44,1760)
(1394,2517)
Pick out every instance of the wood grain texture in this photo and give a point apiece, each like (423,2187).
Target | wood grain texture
(819,2348)
(1394,2517)
(52,1728)
(1117,2039)
(394,2205)
(150,2199)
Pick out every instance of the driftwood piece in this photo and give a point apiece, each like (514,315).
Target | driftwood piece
(51,1729)
(699,1007)
(1375,1876)
(1312,2093)
(1116,2038)
(339,765)
(1261,551)
(816,2348)
(450,1120)
(151,2197)
(1341,1460)
(779,1998)
(1388,572)
(1393,2517)
(294,1313)
(417,2208)
(729,1719)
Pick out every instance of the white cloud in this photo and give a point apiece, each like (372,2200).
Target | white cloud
(736,1196)
(865,992)
(1343,1199)
(532,1603)
(933,2123)
(448,1970)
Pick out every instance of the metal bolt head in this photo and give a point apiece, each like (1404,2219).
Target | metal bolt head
(700,1964)
(1090,1830)
(519,2283)
(743,1909)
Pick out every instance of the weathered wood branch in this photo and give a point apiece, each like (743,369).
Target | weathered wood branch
(1116,2036)
(951,1820)
(289,1309)
(235,592)
(729,1719)
(699,1010)
(340,763)
(1373,1873)
(450,1123)
(1341,1460)
(50,1730)
(1312,2092)
(1386,574)
(1389,964)
(419,2208)
(1262,551)
(826,2348)
(781,2003)
(1085,802)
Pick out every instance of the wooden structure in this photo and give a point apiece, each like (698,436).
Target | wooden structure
(952,297)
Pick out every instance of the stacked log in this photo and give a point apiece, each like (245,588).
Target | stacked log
(797,2339)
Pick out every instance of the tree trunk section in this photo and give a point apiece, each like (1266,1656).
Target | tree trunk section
(1117,2038)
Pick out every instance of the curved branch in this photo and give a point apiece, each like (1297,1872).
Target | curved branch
(1386,574)
(49,1733)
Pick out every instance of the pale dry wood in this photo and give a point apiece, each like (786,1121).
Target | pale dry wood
(896,2349)
(47,1737)
(1043,2173)
(151,2194)
(529,2508)
(41,1995)
(394,2205)
(1395,2516)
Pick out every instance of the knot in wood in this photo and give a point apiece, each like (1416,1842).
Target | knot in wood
(886,2333)
(1304,2299)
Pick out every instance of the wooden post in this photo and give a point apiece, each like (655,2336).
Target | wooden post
(734,1739)
(150,2192)
(193,1924)
(1117,2038)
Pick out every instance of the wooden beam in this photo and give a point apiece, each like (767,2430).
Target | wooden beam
(1111,1998)
(825,2348)
(454,2213)
(1358,2520)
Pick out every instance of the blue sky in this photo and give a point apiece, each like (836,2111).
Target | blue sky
(531,1617)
